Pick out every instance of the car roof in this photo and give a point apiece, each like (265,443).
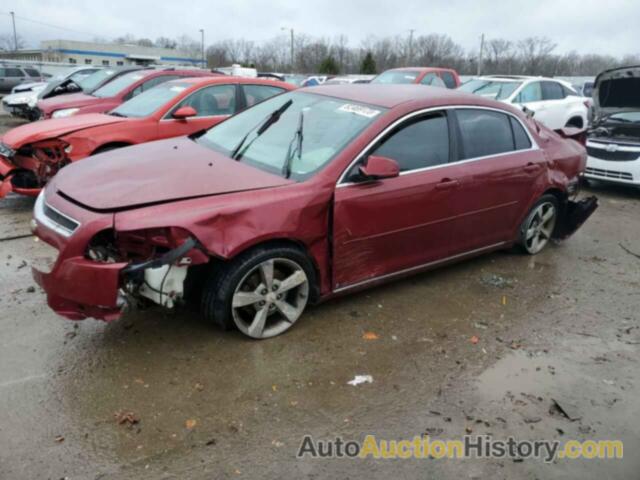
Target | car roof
(205,80)
(420,69)
(390,96)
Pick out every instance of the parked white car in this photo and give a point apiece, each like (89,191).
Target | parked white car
(554,102)
(24,97)
(613,145)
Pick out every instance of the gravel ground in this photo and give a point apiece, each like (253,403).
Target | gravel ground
(482,347)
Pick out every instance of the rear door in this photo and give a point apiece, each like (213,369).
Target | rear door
(212,105)
(500,169)
(387,226)
(531,97)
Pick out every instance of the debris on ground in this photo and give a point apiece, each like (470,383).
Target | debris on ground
(569,410)
(22,265)
(190,423)
(360,379)
(497,281)
(31,289)
(126,418)
(370,336)
(59,439)
(474,339)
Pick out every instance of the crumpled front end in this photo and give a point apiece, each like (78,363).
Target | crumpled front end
(27,170)
(96,272)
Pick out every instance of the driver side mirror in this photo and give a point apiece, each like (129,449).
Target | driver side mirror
(184,112)
(378,168)
(528,112)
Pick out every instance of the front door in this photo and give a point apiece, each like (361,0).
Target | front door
(386,226)
(212,104)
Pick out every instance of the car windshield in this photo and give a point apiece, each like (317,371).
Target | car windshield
(310,131)
(115,86)
(148,102)
(397,76)
(92,81)
(625,117)
(490,89)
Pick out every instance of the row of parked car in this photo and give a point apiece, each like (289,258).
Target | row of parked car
(255,198)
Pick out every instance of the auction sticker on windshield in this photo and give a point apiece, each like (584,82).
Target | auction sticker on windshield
(359,110)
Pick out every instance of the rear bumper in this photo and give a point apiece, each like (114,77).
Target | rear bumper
(626,172)
(574,215)
(78,288)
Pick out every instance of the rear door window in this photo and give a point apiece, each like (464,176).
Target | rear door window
(448,79)
(13,72)
(484,133)
(256,93)
(520,137)
(32,72)
(143,87)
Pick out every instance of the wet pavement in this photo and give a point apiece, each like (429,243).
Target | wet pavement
(482,347)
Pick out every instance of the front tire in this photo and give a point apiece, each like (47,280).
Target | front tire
(538,227)
(262,293)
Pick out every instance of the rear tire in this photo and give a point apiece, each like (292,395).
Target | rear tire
(538,226)
(262,292)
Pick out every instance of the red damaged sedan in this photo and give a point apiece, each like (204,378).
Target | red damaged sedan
(113,93)
(31,154)
(305,196)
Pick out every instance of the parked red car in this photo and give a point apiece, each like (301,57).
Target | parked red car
(112,94)
(307,195)
(34,152)
(435,77)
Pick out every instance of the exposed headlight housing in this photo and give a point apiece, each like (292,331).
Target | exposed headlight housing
(18,100)
(66,112)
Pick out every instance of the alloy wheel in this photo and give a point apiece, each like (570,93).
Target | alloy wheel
(542,222)
(270,298)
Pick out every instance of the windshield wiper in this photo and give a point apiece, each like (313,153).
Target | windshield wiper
(291,151)
(261,127)
(116,114)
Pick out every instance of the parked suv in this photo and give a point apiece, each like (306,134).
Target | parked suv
(11,76)
(554,103)
(614,139)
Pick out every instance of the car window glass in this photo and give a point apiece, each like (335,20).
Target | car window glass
(213,100)
(423,143)
(449,79)
(520,137)
(530,93)
(552,91)
(484,133)
(257,93)
(143,87)
(13,72)
(32,72)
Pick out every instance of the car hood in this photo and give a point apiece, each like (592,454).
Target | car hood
(25,87)
(60,87)
(20,97)
(617,90)
(71,100)
(55,128)
(157,172)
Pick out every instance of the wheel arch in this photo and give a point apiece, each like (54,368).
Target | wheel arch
(272,243)
(576,120)
(110,145)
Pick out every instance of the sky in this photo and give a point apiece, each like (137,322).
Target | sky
(585,26)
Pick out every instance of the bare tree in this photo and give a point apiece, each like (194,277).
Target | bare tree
(7,42)
(533,52)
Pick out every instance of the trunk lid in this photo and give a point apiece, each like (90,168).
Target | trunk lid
(617,90)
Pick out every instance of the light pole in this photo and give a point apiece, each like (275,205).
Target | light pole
(292,57)
(410,56)
(15,36)
(204,61)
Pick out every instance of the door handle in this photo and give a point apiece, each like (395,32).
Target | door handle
(447,183)
(531,167)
